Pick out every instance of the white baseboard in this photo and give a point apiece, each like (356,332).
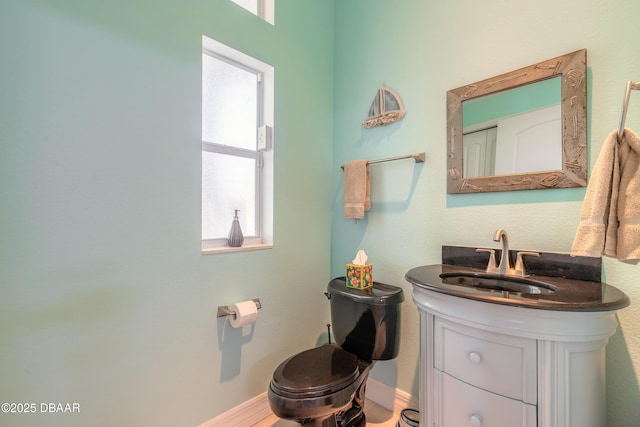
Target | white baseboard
(389,398)
(257,409)
(244,415)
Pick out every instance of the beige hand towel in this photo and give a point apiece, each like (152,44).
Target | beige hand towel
(598,222)
(610,216)
(628,247)
(357,198)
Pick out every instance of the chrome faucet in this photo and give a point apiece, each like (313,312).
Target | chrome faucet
(505,267)
(505,262)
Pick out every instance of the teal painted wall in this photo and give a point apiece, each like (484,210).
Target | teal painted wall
(422,49)
(105,299)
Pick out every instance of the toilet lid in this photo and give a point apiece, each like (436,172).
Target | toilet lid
(315,372)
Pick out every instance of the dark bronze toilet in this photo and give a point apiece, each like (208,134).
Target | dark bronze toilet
(325,386)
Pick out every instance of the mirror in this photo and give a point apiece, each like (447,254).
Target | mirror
(521,130)
(514,131)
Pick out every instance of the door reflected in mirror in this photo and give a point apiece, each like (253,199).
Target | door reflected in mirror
(521,130)
(514,131)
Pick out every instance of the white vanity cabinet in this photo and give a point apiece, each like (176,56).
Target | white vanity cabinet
(485,364)
(492,376)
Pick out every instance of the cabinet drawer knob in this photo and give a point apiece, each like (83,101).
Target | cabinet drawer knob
(476,420)
(475,357)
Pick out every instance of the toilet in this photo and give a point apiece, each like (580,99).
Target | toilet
(325,386)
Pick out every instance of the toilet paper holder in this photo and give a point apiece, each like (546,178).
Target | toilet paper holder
(224,310)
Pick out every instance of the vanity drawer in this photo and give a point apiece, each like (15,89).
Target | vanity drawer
(501,364)
(464,405)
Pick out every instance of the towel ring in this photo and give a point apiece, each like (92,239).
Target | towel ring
(625,104)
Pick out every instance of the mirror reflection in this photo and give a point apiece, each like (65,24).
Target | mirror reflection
(514,131)
(522,130)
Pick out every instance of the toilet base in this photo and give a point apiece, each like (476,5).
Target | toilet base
(351,417)
(332,421)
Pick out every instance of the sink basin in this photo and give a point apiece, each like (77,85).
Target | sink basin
(537,291)
(497,283)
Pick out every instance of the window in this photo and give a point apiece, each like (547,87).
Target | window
(262,8)
(237,171)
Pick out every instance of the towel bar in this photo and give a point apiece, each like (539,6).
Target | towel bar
(418,157)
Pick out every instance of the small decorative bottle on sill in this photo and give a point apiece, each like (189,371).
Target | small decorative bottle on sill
(235,234)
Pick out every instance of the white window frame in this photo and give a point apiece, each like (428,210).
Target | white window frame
(266,9)
(264,159)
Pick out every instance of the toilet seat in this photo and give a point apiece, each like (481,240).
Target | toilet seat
(315,372)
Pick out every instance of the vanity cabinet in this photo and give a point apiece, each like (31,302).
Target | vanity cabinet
(484,364)
(493,376)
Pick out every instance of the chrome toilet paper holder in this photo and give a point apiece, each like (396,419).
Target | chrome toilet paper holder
(224,310)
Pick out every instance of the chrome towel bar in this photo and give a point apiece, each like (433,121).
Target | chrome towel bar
(418,157)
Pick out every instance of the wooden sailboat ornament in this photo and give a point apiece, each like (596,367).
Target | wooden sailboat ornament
(386,108)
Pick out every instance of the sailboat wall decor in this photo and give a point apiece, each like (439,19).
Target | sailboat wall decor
(386,108)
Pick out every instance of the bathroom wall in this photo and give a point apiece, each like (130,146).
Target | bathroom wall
(105,298)
(422,49)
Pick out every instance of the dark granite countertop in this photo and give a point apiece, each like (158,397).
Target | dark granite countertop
(569,293)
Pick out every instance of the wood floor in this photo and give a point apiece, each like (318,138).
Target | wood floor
(377,416)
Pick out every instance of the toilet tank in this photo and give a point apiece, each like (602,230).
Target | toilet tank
(366,322)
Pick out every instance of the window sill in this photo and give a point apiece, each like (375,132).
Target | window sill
(225,249)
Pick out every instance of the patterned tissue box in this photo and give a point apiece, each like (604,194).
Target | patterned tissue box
(359,276)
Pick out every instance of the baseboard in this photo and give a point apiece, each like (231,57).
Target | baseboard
(246,414)
(389,398)
(257,409)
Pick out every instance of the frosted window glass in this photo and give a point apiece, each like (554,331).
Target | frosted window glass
(229,104)
(228,183)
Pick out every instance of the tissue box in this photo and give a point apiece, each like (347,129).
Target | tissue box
(359,276)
